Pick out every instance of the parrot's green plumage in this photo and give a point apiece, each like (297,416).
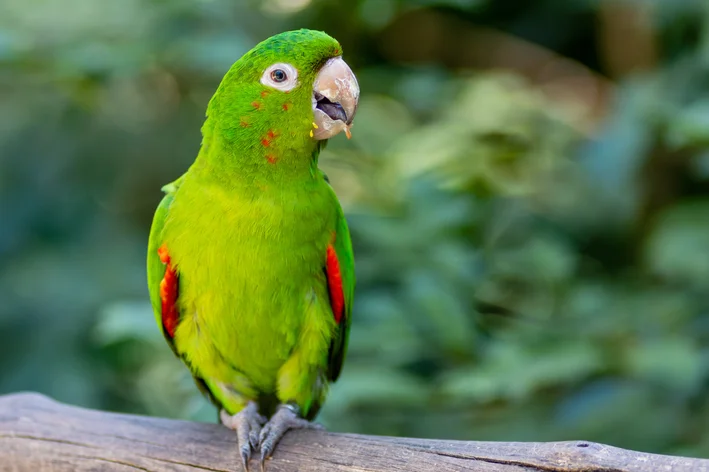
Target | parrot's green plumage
(248,247)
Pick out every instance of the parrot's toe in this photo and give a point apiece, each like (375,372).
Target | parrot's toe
(247,424)
(286,418)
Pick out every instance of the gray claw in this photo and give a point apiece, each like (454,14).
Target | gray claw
(245,456)
(253,438)
(247,424)
(285,419)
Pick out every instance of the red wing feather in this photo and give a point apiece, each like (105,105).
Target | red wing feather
(168,294)
(334,284)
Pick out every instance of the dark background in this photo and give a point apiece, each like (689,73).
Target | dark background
(527,189)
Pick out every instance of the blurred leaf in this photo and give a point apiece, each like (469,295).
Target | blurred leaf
(677,248)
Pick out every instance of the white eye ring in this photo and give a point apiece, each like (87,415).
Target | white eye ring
(280,76)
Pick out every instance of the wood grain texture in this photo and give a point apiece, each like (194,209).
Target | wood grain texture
(39,434)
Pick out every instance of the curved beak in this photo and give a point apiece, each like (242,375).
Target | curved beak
(335,97)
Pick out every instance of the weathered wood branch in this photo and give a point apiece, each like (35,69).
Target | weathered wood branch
(39,434)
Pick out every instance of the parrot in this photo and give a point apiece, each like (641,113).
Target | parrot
(250,265)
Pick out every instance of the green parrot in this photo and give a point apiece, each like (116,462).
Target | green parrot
(250,263)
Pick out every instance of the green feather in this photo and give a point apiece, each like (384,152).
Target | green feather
(247,229)
(343,248)
(156,269)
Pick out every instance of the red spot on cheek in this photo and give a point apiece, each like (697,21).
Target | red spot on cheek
(286,106)
(334,284)
(256,104)
(264,94)
(168,294)
(270,136)
(271,158)
(244,123)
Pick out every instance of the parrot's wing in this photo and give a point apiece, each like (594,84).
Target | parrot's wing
(163,283)
(339,271)
(162,279)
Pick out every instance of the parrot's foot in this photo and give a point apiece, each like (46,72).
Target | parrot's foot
(247,424)
(287,417)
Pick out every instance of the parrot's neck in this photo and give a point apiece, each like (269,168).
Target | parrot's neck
(243,155)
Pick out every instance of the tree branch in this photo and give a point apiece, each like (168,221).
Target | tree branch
(39,434)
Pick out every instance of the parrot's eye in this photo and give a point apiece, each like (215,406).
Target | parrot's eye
(278,75)
(281,76)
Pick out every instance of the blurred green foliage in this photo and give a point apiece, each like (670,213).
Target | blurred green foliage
(527,190)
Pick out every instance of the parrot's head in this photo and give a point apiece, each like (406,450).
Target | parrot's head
(284,95)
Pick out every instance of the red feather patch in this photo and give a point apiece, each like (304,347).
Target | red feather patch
(168,294)
(334,284)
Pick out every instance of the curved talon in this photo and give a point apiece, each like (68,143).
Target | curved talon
(253,437)
(245,457)
(247,424)
(285,419)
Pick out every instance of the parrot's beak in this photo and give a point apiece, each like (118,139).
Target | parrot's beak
(335,96)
